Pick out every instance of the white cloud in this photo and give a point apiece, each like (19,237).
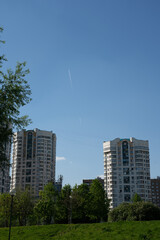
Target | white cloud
(60,158)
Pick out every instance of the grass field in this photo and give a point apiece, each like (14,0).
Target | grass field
(98,231)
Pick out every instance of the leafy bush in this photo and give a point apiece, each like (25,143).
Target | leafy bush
(137,211)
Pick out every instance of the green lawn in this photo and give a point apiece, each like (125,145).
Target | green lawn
(100,231)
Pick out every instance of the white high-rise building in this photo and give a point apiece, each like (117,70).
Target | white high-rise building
(4,171)
(33,160)
(126,170)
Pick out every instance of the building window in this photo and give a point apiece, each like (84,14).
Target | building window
(28,171)
(125,150)
(126,171)
(2,182)
(28,179)
(125,153)
(28,164)
(126,179)
(126,188)
(29,146)
(127,197)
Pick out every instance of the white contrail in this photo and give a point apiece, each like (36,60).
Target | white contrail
(70,78)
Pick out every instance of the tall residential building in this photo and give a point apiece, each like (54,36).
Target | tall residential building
(155,191)
(33,160)
(4,171)
(126,170)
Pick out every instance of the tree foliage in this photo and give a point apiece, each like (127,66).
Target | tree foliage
(14,93)
(98,202)
(23,205)
(64,205)
(5,206)
(80,204)
(137,211)
(136,198)
(21,210)
(45,208)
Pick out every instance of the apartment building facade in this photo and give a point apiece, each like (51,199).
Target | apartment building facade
(33,160)
(155,191)
(5,171)
(90,181)
(126,170)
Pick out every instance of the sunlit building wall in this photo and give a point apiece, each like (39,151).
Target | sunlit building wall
(126,170)
(33,160)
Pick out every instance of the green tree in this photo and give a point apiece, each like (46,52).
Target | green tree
(137,211)
(5,209)
(119,213)
(64,205)
(45,208)
(80,203)
(136,198)
(98,203)
(14,93)
(23,203)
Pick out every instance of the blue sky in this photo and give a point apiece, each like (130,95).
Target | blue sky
(94,74)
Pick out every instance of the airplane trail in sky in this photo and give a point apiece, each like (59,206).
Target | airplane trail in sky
(70,78)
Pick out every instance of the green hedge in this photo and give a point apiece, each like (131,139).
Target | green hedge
(138,211)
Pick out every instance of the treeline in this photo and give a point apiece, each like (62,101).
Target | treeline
(80,204)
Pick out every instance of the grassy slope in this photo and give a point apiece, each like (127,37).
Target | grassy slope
(100,231)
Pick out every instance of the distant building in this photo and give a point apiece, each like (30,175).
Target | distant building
(155,191)
(58,184)
(89,181)
(126,170)
(34,155)
(4,171)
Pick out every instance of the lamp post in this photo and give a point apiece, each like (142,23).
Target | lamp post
(70,215)
(12,193)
